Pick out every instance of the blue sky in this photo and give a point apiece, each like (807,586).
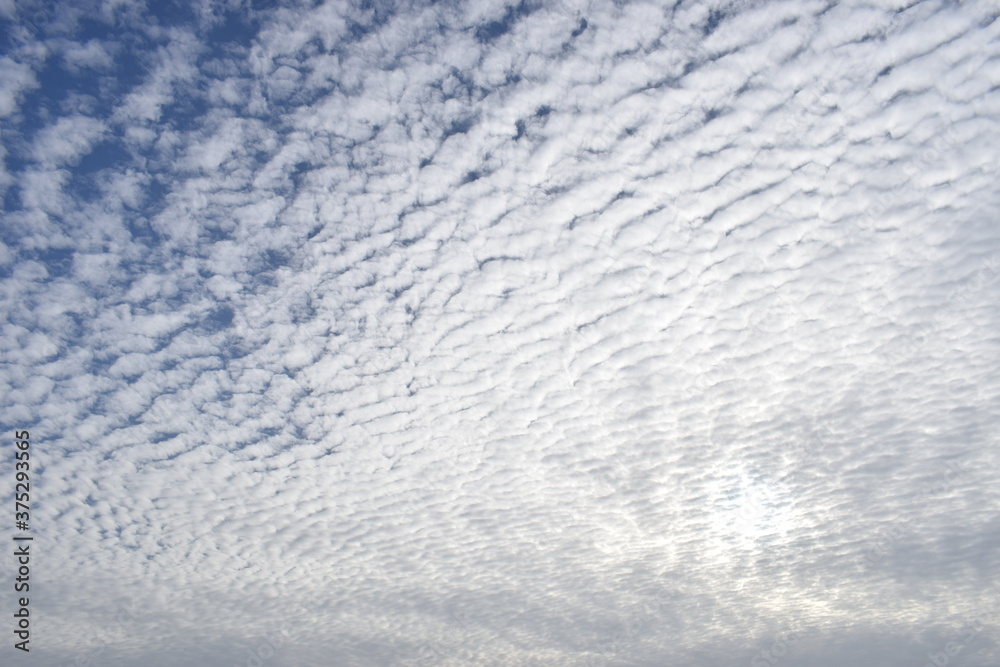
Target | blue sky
(569,333)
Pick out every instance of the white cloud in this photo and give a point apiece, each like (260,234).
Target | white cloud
(92,55)
(66,141)
(15,79)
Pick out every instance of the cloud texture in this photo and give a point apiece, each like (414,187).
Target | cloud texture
(478,334)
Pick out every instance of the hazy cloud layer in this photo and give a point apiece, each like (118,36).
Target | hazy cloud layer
(480,334)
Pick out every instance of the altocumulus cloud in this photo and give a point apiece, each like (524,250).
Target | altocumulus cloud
(569,333)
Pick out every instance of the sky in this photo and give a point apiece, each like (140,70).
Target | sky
(470,333)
